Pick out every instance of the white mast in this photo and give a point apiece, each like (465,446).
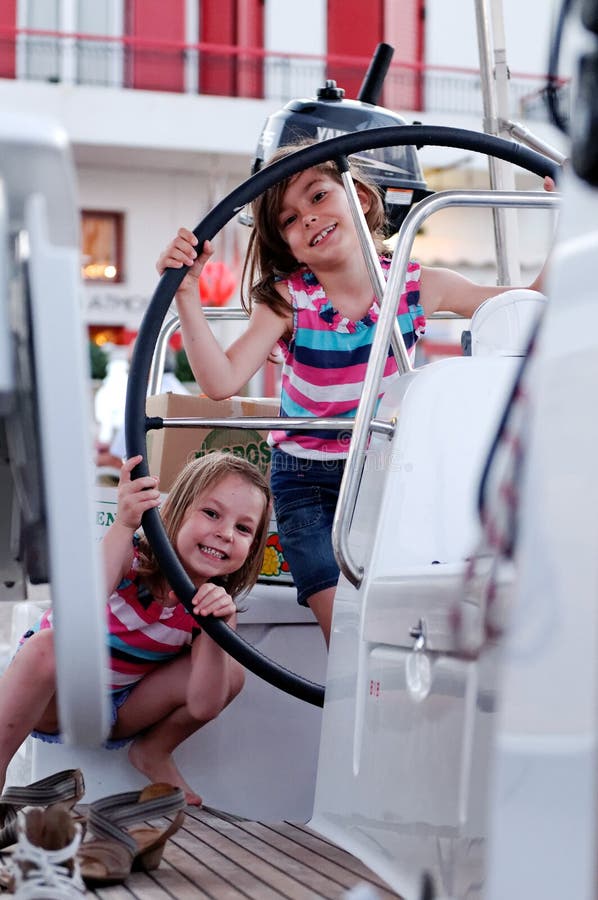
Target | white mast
(495,76)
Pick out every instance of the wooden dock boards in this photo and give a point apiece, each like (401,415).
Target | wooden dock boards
(221,857)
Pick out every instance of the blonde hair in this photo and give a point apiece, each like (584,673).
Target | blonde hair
(195,478)
(268,257)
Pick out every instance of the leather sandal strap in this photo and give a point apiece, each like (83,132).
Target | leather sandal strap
(107,851)
(150,809)
(61,787)
(109,816)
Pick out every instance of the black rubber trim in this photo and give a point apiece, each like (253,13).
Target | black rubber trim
(135,418)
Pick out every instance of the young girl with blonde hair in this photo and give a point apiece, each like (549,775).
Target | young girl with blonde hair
(168,677)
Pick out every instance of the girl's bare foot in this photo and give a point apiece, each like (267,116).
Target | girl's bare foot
(159,766)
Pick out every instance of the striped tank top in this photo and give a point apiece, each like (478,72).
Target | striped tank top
(326,358)
(142,633)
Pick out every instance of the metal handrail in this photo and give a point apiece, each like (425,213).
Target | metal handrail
(357,449)
(166,332)
(331,423)
(372,262)
(522,134)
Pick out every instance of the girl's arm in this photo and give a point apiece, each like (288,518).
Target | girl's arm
(443,289)
(134,497)
(219,372)
(209,662)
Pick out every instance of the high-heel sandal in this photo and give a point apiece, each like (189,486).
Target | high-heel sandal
(115,849)
(66,787)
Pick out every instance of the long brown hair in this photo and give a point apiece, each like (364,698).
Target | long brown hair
(268,257)
(196,477)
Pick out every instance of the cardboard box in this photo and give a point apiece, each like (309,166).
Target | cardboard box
(169,449)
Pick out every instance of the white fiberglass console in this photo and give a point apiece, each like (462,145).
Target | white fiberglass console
(407,726)
(45,417)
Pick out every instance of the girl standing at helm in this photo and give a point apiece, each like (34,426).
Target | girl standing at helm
(309,292)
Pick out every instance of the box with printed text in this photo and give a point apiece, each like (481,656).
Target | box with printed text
(169,449)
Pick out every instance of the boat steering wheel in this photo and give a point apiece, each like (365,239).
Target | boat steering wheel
(136,422)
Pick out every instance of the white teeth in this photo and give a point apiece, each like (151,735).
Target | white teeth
(211,551)
(320,237)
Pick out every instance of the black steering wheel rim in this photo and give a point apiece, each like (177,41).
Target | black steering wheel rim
(136,422)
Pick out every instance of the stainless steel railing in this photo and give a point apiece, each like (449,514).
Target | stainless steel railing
(352,570)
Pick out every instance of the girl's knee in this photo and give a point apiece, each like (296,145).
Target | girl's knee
(236,681)
(40,646)
(204,709)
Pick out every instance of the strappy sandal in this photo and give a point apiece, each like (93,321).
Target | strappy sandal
(66,787)
(115,850)
(44,864)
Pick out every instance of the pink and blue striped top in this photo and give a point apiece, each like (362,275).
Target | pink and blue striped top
(142,633)
(326,358)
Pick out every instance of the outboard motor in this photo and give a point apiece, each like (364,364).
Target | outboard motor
(396,170)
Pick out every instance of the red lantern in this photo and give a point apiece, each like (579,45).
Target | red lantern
(176,341)
(128,336)
(216,284)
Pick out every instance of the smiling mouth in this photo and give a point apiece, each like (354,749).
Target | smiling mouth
(320,237)
(217,554)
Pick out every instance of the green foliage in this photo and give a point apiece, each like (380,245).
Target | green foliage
(182,368)
(98,361)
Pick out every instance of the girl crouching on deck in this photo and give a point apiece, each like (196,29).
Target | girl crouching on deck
(168,677)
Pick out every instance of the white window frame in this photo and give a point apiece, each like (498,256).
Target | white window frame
(68,22)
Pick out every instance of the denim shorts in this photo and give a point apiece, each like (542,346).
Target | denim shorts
(305,494)
(116,699)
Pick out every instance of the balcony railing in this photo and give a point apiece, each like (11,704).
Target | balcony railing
(222,70)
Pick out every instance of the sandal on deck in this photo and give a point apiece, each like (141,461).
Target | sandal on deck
(115,850)
(44,864)
(65,787)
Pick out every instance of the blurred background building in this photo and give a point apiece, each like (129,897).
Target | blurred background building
(163,104)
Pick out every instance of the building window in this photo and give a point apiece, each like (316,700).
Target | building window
(97,61)
(102,246)
(39,54)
